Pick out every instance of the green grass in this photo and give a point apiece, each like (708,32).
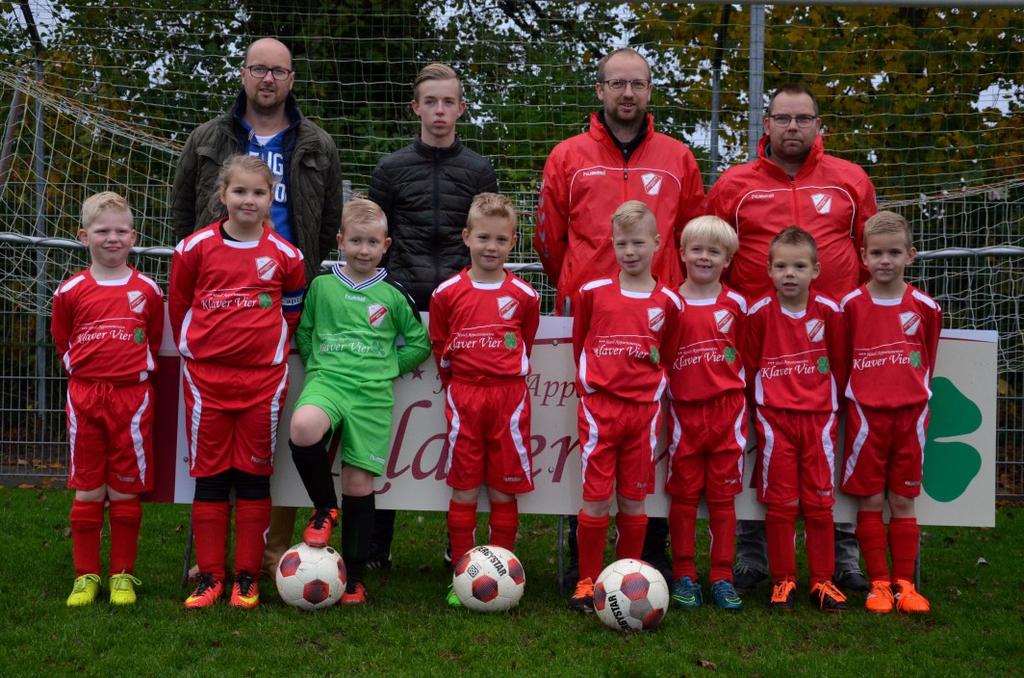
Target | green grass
(975,628)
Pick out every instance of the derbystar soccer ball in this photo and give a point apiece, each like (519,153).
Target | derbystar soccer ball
(310,578)
(631,595)
(489,579)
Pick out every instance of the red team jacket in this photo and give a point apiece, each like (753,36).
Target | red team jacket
(108,330)
(585,180)
(235,302)
(624,342)
(483,331)
(708,363)
(893,346)
(796,361)
(829,198)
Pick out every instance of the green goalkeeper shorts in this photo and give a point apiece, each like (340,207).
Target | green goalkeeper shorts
(364,417)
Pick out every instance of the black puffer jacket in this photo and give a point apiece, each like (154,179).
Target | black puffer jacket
(426,193)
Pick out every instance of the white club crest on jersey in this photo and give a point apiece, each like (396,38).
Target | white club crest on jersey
(265,268)
(507,307)
(655,318)
(822,202)
(136,301)
(652,183)
(815,329)
(376,314)
(911,323)
(723,320)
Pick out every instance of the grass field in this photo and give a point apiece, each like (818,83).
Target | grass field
(974,578)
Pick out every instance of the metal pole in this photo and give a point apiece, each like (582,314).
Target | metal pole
(756,82)
(716,90)
(14,115)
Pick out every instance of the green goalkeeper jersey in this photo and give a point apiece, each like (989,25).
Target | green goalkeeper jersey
(348,330)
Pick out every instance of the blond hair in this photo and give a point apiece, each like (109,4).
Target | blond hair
(886,222)
(98,203)
(362,211)
(794,236)
(434,71)
(712,228)
(631,213)
(490,205)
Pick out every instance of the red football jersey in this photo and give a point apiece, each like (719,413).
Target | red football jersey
(624,341)
(893,343)
(108,330)
(797,360)
(707,363)
(483,330)
(235,302)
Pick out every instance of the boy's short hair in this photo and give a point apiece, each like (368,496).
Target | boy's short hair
(888,222)
(631,213)
(362,211)
(490,205)
(101,202)
(711,228)
(434,71)
(794,236)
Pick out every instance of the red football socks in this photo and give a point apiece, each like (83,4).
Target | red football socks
(86,523)
(125,521)
(821,543)
(631,528)
(210,527)
(722,519)
(461,527)
(871,538)
(504,523)
(682,525)
(252,518)
(591,535)
(780,530)
(904,535)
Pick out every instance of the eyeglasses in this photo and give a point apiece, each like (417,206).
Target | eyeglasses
(619,85)
(259,71)
(783,120)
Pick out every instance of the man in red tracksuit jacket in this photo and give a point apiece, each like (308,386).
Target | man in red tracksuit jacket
(794,182)
(621,157)
(586,177)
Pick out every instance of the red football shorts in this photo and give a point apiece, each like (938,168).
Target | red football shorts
(705,445)
(884,449)
(489,436)
(110,432)
(617,439)
(798,456)
(231,416)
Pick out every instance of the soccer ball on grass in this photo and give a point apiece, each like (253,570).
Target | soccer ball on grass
(310,578)
(630,595)
(489,579)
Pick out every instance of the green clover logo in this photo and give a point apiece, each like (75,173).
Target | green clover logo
(655,356)
(510,341)
(139,336)
(730,354)
(823,365)
(264,300)
(915,358)
(949,467)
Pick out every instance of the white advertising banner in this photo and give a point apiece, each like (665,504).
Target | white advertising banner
(959,477)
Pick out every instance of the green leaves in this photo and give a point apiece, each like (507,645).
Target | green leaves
(949,467)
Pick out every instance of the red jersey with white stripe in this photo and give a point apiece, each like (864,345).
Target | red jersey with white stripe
(707,363)
(235,302)
(624,341)
(108,330)
(893,343)
(797,360)
(480,331)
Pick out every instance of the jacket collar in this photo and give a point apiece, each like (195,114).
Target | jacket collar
(810,163)
(291,110)
(599,132)
(437,152)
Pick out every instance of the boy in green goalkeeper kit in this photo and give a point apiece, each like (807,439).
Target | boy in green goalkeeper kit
(346,338)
